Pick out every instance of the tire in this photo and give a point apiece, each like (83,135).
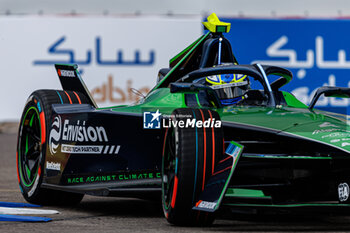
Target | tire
(189,156)
(32,145)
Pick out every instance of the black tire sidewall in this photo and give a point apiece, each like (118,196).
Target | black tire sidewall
(42,101)
(187,139)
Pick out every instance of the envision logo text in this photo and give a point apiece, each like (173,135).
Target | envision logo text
(74,133)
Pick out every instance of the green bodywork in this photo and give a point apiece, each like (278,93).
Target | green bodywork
(295,119)
(245,193)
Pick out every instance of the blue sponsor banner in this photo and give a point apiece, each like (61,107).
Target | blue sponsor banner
(316,51)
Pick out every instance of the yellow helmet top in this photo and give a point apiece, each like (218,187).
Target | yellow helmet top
(225,78)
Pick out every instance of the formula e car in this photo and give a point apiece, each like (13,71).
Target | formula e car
(184,143)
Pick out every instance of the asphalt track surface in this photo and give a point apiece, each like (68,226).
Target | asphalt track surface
(102,214)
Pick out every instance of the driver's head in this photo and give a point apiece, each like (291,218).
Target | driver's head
(230,88)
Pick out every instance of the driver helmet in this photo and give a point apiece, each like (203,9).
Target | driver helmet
(230,88)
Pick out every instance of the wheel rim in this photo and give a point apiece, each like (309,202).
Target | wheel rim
(29,147)
(168,169)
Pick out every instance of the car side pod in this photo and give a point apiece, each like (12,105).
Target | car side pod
(341,92)
(216,187)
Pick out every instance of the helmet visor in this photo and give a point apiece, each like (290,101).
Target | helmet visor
(231,90)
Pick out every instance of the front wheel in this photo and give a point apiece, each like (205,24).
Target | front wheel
(189,157)
(32,146)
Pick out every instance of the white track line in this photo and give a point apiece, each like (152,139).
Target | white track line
(9,210)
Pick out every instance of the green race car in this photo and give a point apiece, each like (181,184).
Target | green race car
(211,134)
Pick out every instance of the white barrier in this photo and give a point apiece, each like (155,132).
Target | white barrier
(115,54)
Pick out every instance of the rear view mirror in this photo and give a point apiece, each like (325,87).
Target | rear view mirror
(342,92)
(162,73)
